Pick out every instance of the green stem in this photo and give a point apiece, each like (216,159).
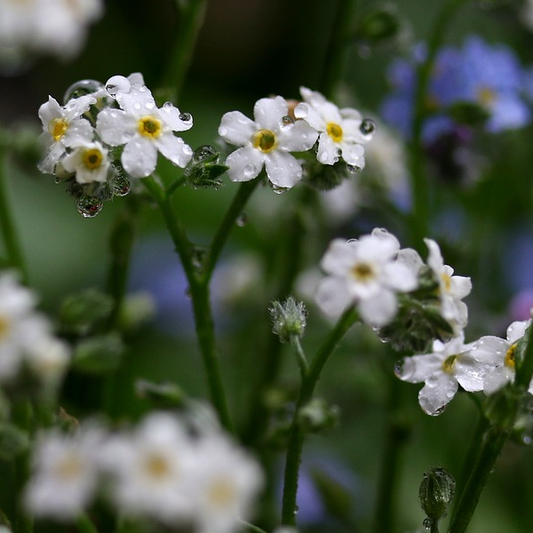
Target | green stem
(7,226)
(190,20)
(493,442)
(397,432)
(338,47)
(419,181)
(199,292)
(300,355)
(297,432)
(228,223)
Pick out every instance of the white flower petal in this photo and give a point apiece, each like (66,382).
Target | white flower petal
(299,137)
(328,151)
(174,119)
(379,309)
(437,393)
(283,169)
(237,129)
(174,149)
(332,296)
(139,157)
(269,111)
(115,127)
(244,164)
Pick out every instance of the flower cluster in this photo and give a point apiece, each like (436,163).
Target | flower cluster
(487,365)
(45,26)
(105,135)
(28,348)
(407,301)
(478,82)
(160,471)
(281,128)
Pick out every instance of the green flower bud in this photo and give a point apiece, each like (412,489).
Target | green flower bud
(204,168)
(99,354)
(81,313)
(13,441)
(288,319)
(436,493)
(380,24)
(161,395)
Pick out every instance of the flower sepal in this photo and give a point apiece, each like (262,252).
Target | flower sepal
(327,177)
(204,169)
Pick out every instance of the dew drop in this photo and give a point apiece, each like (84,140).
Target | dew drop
(88,206)
(432,382)
(222,132)
(57,179)
(137,106)
(186,117)
(121,185)
(323,157)
(427,523)
(367,127)
(250,170)
(287,122)
(81,88)
(242,219)
(301,111)
(353,169)
(117,84)
(279,190)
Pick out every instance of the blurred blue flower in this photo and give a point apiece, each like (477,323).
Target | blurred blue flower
(489,76)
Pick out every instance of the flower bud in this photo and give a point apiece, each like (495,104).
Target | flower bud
(436,493)
(288,319)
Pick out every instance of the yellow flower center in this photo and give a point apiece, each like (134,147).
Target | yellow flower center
(447,281)
(449,363)
(334,131)
(264,140)
(363,272)
(70,467)
(150,127)
(486,96)
(509,357)
(157,466)
(4,327)
(221,493)
(57,128)
(92,158)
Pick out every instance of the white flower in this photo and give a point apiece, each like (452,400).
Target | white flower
(339,129)
(20,325)
(226,484)
(152,469)
(65,474)
(143,128)
(55,27)
(365,272)
(63,127)
(89,160)
(442,371)
(48,360)
(499,353)
(452,289)
(266,141)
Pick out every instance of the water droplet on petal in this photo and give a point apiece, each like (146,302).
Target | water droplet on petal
(353,169)
(301,111)
(81,88)
(186,118)
(250,170)
(286,122)
(323,157)
(367,127)
(427,523)
(121,185)
(117,84)
(137,106)
(280,190)
(88,206)
(222,132)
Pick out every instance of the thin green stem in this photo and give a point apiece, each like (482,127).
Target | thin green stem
(228,223)
(419,182)
(7,225)
(190,19)
(338,47)
(297,432)
(397,432)
(300,355)
(199,292)
(492,445)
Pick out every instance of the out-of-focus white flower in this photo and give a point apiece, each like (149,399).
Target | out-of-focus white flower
(63,127)
(143,128)
(266,141)
(226,484)
(56,27)
(442,371)
(89,160)
(342,132)
(65,474)
(365,273)
(153,470)
(499,353)
(452,289)
(48,360)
